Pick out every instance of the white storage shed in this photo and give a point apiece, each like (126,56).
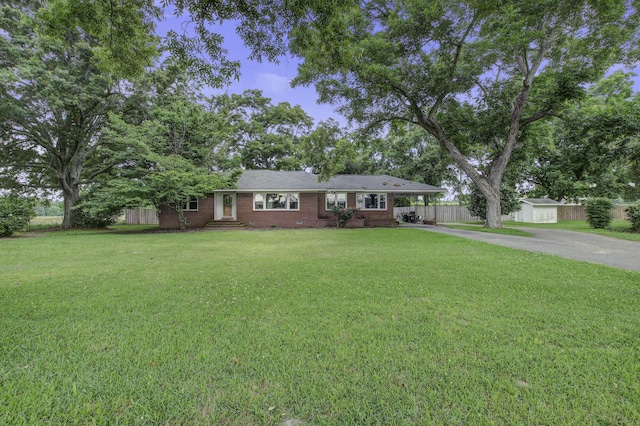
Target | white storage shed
(537,210)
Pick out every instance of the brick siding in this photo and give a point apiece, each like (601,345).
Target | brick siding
(168,218)
(303,218)
(312,208)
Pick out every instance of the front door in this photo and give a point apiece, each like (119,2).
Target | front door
(227,206)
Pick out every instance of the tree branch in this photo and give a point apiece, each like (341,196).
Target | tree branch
(538,116)
(454,65)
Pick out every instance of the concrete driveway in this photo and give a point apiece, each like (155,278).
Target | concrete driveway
(572,245)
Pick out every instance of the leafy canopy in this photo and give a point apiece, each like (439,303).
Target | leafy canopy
(594,150)
(474,75)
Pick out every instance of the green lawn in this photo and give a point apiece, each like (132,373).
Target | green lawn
(618,228)
(42,222)
(338,327)
(503,231)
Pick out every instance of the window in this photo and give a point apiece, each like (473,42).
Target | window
(336,199)
(258,201)
(294,204)
(190,206)
(372,201)
(276,201)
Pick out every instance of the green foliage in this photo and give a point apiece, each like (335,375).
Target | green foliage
(48,208)
(594,150)
(343,215)
(328,150)
(401,201)
(633,213)
(56,95)
(599,214)
(94,215)
(163,181)
(123,30)
(473,75)
(15,213)
(256,134)
(478,205)
(175,152)
(261,24)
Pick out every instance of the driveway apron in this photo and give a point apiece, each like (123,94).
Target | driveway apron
(571,245)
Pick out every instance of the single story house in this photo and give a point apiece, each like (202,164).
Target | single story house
(537,210)
(296,199)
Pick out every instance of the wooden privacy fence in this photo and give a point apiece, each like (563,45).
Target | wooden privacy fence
(448,214)
(141,216)
(442,214)
(576,212)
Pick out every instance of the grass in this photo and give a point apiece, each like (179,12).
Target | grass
(502,231)
(618,229)
(44,222)
(367,326)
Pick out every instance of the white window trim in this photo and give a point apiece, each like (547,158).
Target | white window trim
(360,201)
(187,203)
(326,199)
(264,202)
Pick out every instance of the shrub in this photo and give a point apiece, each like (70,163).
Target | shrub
(91,212)
(598,212)
(343,215)
(15,214)
(634,217)
(86,217)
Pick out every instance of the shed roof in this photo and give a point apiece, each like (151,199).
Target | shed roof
(270,180)
(540,201)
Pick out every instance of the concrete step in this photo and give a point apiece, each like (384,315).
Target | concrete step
(224,224)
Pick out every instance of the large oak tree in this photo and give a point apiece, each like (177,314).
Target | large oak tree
(474,75)
(56,92)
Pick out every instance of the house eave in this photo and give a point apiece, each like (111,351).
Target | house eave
(324,190)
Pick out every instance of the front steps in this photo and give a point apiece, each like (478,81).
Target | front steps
(224,224)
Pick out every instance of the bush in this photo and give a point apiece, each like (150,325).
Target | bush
(86,217)
(634,217)
(15,214)
(343,215)
(90,212)
(599,214)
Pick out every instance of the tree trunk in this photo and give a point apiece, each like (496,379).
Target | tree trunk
(70,199)
(182,222)
(494,213)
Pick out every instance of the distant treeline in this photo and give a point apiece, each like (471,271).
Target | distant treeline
(50,209)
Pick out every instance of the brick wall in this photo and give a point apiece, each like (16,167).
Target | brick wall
(303,218)
(312,208)
(168,218)
(377,217)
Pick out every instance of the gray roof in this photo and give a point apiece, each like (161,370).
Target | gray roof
(270,180)
(540,201)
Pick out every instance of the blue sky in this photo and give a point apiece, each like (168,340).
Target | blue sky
(273,79)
